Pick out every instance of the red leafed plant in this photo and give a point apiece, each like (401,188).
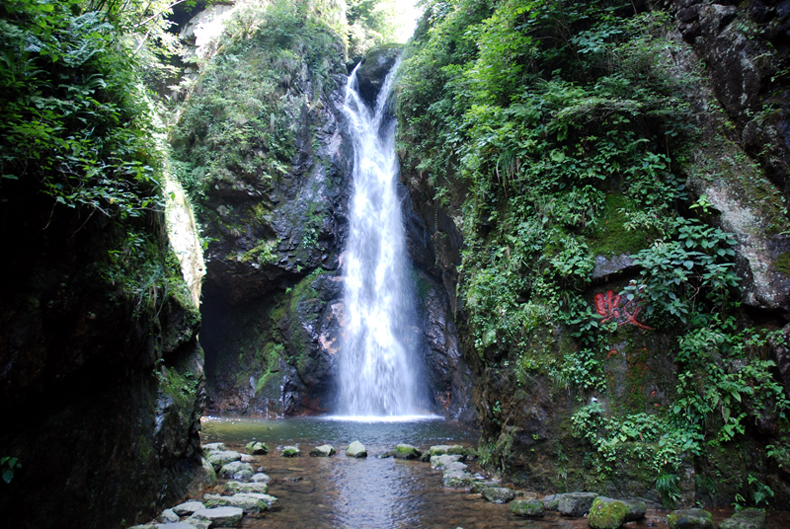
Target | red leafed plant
(617,308)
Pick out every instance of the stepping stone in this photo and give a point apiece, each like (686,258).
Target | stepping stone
(257,448)
(551,502)
(478,486)
(260,477)
(406,451)
(198,523)
(221,516)
(356,449)
(168,516)
(528,508)
(237,470)
(458,479)
(248,502)
(439,450)
(291,451)
(219,459)
(690,519)
(443,461)
(498,494)
(213,447)
(576,503)
(323,451)
(235,486)
(188,507)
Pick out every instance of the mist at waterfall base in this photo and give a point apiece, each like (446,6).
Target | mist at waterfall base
(380,365)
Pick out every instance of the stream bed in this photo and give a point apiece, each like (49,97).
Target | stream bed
(341,492)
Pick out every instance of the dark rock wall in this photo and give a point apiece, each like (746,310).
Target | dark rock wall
(101,393)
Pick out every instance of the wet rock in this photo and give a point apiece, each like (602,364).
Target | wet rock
(249,502)
(576,503)
(406,451)
(527,508)
(323,451)
(498,494)
(439,450)
(257,448)
(690,519)
(750,518)
(220,459)
(458,479)
(220,516)
(637,509)
(213,447)
(188,507)
(356,449)
(291,451)
(443,461)
(373,71)
(237,486)
(260,477)
(478,486)
(607,513)
(237,470)
(209,473)
(198,523)
(168,516)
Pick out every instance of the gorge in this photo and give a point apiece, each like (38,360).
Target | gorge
(591,270)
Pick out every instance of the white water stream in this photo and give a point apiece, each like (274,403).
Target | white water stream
(378,363)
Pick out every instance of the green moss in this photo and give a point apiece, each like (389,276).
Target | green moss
(782,263)
(611,237)
(607,514)
(271,353)
(263,253)
(182,387)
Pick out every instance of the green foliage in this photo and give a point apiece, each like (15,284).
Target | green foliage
(7,466)
(239,126)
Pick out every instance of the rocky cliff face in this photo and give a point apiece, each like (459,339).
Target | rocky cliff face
(556,404)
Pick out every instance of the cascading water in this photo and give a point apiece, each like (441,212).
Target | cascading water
(378,365)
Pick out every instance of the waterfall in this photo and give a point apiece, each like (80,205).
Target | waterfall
(378,363)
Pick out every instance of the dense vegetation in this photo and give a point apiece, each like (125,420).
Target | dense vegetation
(555,133)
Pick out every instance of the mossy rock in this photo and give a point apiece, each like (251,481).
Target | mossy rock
(750,518)
(551,502)
(690,519)
(291,451)
(607,513)
(498,494)
(528,508)
(406,451)
(257,448)
(438,450)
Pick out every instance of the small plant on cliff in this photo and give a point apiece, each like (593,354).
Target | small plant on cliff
(7,466)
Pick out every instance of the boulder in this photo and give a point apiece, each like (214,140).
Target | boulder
(356,449)
(209,472)
(750,518)
(439,450)
(257,448)
(373,72)
(576,503)
(323,451)
(188,507)
(458,479)
(478,486)
(250,502)
(498,494)
(168,516)
(607,513)
(636,510)
(406,451)
(551,502)
(291,451)
(690,519)
(237,486)
(213,447)
(198,523)
(219,459)
(220,516)
(443,461)
(237,470)
(260,477)
(527,508)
